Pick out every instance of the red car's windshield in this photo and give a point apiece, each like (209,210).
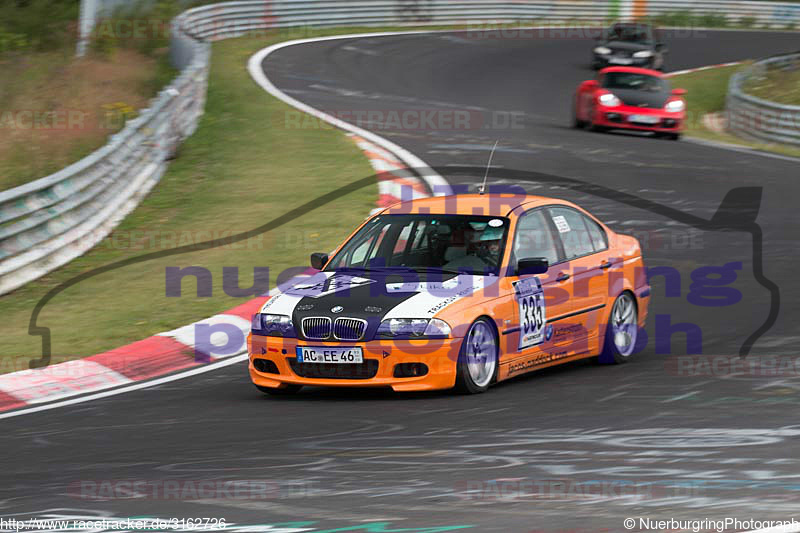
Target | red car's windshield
(633,81)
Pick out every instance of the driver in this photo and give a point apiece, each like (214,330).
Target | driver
(484,251)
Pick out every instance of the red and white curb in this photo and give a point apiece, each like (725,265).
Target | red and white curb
(175,354)
(395,182)
(152,357)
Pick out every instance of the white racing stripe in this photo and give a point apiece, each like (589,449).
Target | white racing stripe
(428,303)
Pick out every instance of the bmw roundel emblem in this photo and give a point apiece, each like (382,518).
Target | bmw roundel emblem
(337,309)
(548,332)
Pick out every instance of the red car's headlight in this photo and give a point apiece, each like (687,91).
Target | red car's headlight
(675,106)
(608,100)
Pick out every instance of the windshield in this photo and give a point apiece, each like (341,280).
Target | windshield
(456,243)
(630,33)
(634,82)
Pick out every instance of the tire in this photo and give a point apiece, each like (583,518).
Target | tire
(477,358)
(288,390)
(622,331)
(577,123)
(597,129)
(674,136)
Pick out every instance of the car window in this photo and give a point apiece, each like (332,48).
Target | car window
(632,33)
(597,234)
(573,232)
(533,238)
(634,81)
(452,242)
(369,247)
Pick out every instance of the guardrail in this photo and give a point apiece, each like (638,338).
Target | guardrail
(49,222)
(761,120)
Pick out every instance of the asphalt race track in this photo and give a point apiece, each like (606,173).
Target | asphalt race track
(578,447)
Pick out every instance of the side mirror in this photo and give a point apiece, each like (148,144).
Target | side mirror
(591,84)
(679,92)
(319,260)
(532,265)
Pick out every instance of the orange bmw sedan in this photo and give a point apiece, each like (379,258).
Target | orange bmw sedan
(454,292)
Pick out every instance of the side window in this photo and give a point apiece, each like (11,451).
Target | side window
(533,237)
(597,234)
(573,232)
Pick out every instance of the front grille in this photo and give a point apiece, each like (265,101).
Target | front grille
(349,329)
(316,327)
(366,370)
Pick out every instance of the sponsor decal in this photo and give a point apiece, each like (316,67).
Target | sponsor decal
(328,285)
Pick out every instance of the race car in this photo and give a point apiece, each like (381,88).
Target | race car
(454,292)
(629,44)
(632,99)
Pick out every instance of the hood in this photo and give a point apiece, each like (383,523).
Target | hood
(373,296)
(626,46)
(644,99)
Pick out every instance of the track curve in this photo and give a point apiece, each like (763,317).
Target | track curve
(663,445)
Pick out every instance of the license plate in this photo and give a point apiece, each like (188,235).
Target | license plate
(644,119)
(326,354)
(620,60)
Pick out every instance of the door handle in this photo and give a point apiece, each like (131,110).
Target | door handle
(562,277)
(605,265)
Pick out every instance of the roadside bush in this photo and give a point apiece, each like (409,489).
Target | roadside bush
(37,25)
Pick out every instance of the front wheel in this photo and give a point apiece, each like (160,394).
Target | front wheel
(621,332)
(477,358)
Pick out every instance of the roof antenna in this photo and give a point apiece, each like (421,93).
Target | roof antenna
(488,166)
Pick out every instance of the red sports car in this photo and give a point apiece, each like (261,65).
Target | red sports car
(632,99)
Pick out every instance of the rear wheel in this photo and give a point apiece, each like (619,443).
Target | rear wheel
(477,359)
(622,331)
(285,391)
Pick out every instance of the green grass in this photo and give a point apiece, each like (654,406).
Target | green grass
(241,169)
(706,94)
(776,85)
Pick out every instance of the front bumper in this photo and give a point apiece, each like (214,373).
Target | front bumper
(380,367)
(621,117)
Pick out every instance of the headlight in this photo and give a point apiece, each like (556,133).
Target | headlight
(609,100)
(643,53)
(602,50)
(272,325)
(675,106)
(413,328)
